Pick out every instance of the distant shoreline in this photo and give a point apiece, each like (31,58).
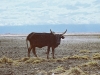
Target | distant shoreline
(67,34)
(82,34)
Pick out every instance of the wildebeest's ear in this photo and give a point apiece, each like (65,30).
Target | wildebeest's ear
(64,32)
(62,37)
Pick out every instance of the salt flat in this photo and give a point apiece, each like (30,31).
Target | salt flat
(14,47)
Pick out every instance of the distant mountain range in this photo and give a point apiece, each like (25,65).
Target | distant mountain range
(46,28)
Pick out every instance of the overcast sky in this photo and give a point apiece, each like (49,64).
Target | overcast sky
(42,12)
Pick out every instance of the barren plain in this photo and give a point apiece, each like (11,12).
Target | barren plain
(78,54)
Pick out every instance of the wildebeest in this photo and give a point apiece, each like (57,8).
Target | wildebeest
(44,39)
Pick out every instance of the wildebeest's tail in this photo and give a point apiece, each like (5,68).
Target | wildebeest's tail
(27,42)
(28,38)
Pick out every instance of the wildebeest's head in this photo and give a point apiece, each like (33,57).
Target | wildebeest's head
(58,37)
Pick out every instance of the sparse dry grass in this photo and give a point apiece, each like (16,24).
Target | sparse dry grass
(84,51)
(24,59)
(65,58)
(75,71)
(79,57)
(62,71)
(58,70)
(35,60)
(96,56)
(90,63)
(16,63)
(4,60)
(40,72)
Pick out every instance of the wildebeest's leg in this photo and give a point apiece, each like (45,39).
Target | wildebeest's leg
(53,51)
(48,50)
(34,52)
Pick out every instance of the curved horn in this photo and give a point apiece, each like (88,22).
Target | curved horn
(64,32)
(51,31)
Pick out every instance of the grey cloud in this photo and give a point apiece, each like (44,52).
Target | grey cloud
(77,13)
(47,11)
(79,4)
(97,2)
(70,7)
